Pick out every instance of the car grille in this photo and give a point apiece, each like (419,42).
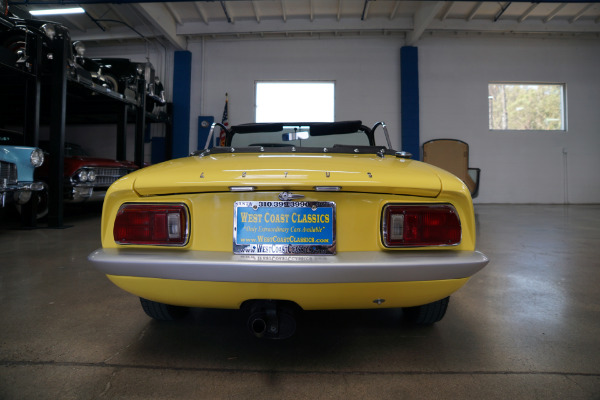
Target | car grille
(106,176)
(8,173)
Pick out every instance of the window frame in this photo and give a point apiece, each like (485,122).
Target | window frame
(299,81)
(563,106)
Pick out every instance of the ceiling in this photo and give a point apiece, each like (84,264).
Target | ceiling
(177,22)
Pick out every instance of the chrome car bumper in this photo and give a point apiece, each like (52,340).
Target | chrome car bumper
(19,191)
(82,193)
(19,186)
(348,267)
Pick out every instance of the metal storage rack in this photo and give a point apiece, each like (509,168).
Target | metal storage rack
(29,98)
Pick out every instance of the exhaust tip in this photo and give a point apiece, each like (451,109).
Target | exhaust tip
(271,319)
(258,326)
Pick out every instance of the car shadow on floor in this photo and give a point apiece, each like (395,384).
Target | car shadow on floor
(217,340)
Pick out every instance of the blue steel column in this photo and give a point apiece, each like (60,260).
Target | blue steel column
(182,80)
(409,100)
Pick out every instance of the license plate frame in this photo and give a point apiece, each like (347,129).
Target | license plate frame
(284,227)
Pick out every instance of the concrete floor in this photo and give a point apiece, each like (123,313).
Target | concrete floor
(526,327)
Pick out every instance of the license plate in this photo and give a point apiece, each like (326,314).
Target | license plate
(284,227)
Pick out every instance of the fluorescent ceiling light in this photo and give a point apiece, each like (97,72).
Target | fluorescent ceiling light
(57,11)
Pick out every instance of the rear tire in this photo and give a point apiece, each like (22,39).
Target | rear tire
(427,314)
(112,82)
(163,312)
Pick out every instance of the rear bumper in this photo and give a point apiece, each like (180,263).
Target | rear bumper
(348,267)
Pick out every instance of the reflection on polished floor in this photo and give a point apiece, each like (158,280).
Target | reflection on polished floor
(525,327)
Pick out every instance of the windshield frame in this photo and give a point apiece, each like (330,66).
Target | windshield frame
(316,129)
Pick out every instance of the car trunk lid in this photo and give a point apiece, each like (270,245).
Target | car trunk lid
(352,173)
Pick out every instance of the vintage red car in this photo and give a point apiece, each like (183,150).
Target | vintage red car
(86,178)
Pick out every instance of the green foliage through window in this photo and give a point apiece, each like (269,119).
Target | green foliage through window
(526,106)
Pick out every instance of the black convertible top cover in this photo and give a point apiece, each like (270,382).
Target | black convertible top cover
(316,128)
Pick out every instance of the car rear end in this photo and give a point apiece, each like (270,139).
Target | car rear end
(270,224)
(389,244)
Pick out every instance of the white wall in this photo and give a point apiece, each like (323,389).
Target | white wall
(366,73)
(516,167)
(531,167)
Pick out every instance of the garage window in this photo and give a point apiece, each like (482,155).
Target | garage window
(527,106)
(295,101)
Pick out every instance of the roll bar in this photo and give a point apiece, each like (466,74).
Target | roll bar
(385,131)
(212,132)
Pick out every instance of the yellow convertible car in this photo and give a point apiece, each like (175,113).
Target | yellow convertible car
(287,217)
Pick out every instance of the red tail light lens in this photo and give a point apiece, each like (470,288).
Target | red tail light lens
(152,224)
(420,225)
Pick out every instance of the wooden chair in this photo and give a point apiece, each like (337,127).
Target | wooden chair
(453,156)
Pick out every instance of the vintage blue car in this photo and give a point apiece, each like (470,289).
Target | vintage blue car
(17,164)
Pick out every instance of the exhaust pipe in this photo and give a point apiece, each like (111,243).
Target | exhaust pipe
(257,325)
(270,319)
